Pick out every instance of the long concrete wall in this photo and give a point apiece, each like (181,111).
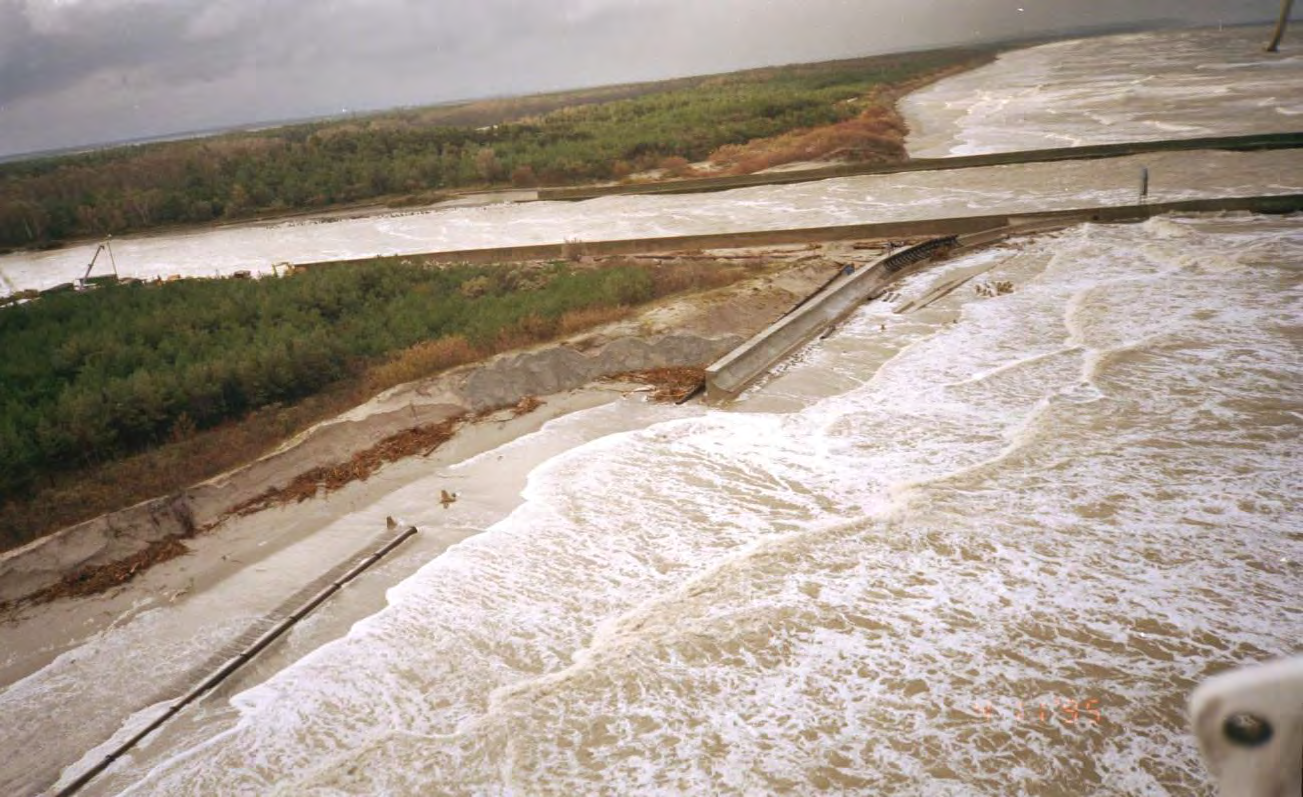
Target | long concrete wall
(741,367)
(701,185)
(920,228)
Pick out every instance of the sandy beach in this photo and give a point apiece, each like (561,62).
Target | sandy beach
(39,633)
(198,610)
(247,568)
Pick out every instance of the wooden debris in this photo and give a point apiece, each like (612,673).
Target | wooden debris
(992,289)
(526,405)
(92,580)
(422,440)
(668,384)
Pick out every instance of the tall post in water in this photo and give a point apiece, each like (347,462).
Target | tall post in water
(1274,45)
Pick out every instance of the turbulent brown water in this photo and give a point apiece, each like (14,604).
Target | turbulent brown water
(965,545)
(1138,87)
(990,556)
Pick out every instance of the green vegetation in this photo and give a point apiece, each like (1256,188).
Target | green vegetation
(600,134)
(94,375)
(92,378)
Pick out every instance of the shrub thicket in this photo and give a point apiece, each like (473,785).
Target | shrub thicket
(93,375)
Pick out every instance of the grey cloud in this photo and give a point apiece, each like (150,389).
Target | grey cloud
(85,71)
(15,31)
(98,39)
(178,40)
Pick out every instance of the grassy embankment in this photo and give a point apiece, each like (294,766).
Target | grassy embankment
(743,121)
(129,392)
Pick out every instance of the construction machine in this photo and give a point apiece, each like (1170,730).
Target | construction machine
(84,282)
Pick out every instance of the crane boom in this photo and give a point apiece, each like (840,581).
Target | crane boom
(83,284)
(91,265)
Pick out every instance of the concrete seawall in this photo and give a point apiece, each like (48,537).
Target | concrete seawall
(919,228)
(741,367)
(700,185)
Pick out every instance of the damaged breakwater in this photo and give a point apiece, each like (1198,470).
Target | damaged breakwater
(747,363)
(742,367)
(751,361)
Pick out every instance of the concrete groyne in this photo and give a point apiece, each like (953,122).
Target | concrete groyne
(236,662)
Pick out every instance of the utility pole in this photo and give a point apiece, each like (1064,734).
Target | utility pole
(1274,45)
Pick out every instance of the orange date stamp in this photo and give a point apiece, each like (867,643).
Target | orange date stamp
(1060,710)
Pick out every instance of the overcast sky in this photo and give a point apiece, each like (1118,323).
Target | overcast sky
(75,72)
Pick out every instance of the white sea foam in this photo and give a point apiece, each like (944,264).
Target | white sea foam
(1110,89)
(1075,502)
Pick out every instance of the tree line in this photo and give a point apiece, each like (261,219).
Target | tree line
(558,139)
(90,378)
